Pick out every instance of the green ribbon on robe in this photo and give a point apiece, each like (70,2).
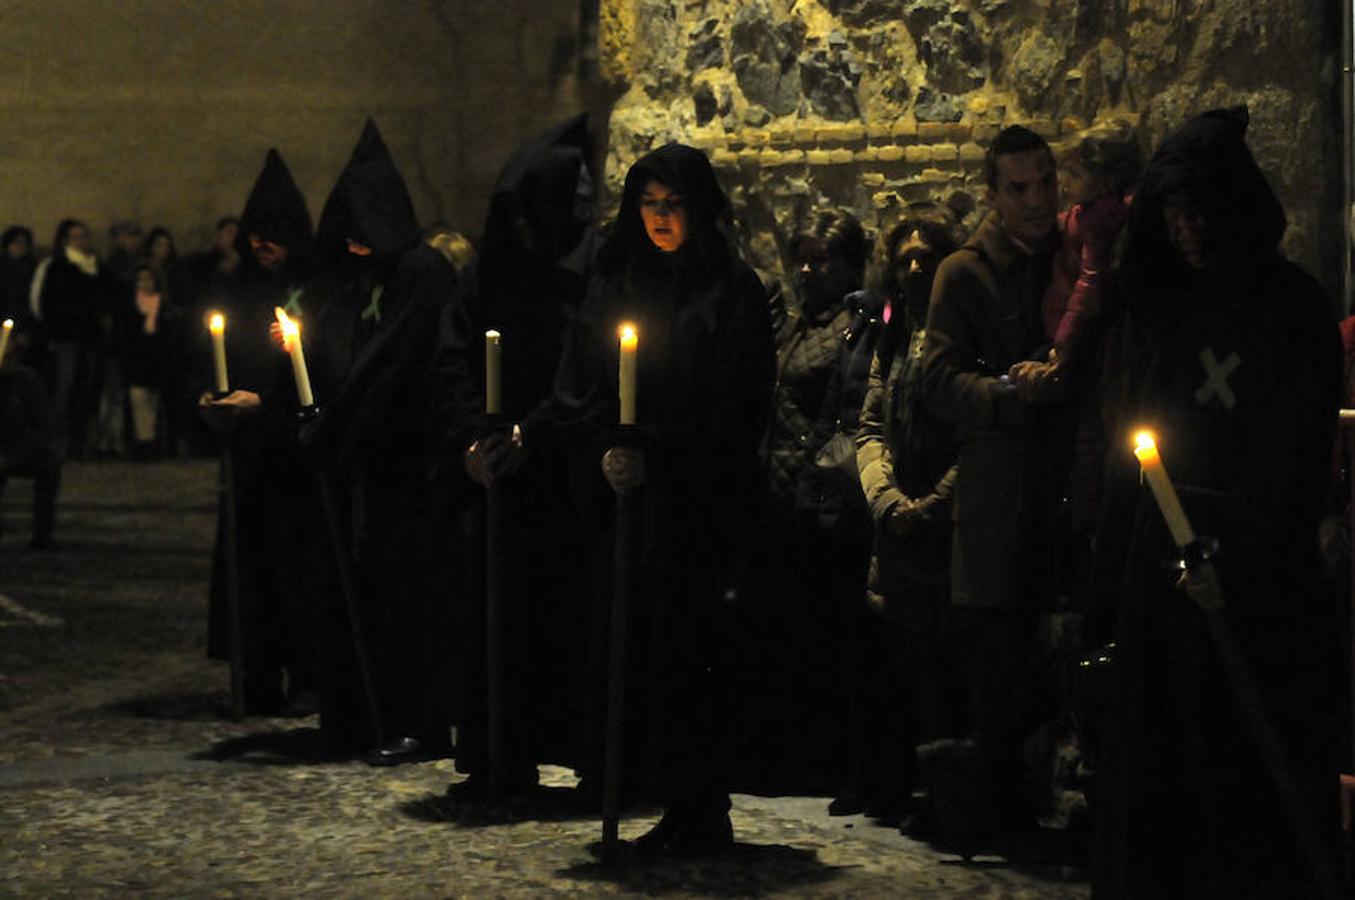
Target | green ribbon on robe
(373,310)
(293,305)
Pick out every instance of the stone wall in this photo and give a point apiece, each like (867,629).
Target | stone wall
(162,110)
(872,104)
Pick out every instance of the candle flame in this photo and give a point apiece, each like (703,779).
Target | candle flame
(627,333)
(7,324)
(217,325)
(492,335)
(1145,441)
(291,328)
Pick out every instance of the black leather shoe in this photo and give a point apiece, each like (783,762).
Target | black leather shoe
(405,750)
(848,803)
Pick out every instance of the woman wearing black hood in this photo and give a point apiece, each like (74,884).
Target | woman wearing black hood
(1229,353)
(704,380)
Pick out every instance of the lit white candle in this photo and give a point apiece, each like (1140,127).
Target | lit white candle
(626,373)
(291,340)
(493,373)
(6,328)
(217,326)
(1145,448)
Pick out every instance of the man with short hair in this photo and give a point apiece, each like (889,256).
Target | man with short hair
(984,319)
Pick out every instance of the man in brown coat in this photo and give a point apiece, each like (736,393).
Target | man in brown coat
(983,323)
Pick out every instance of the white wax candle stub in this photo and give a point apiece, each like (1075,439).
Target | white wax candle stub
(493,373)
(217,326)
(1164,492)
(5,328)
(626,372)
(291,338)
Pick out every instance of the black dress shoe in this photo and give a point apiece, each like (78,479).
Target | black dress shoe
(848,803)
(405,750)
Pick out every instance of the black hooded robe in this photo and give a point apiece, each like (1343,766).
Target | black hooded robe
(527,283)
(374,434)
(1237,369)
(705,368)
(275,508)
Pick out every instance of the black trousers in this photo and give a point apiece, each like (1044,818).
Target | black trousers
(46,475)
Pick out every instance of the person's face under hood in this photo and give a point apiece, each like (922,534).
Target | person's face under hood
(664,213)
(686,204)
(268,254)
(1204,204)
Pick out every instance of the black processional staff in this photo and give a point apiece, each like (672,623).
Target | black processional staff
(493,605)
(1195,552)
(229,520)
(291,335)
(622,563)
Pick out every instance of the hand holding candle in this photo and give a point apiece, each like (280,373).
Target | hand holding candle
(6,328)
(1145,448)
(217,326)
(291,337)
(493,373)
(626,372)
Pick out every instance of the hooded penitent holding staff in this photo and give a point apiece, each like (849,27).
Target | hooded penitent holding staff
(1229,353)
(272,501)
(670,267)
(372,436)
(528,281)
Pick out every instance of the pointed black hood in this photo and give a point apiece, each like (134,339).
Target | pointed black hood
(276,210)
(369,204)
(1206,160)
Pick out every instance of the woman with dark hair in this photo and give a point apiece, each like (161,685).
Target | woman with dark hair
(905,684)
(73,297)
(704,375)
(184,432)
(142,346)
(815,533)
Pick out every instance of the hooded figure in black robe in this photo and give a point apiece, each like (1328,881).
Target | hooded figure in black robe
(1229,353)
(527,283)
(704,386)
(275,508)
(373,434)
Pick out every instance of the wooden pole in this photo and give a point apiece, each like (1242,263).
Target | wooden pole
(616,677)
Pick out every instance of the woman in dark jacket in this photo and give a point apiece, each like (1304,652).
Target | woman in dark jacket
(815,535)
(905,685)
(704,378)
(142,345)
(75,295)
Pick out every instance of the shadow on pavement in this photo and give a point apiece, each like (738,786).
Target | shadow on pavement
(293,747)
(745,870)
(201,707)
(548,804)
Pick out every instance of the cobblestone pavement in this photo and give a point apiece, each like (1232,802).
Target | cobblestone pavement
(107,710)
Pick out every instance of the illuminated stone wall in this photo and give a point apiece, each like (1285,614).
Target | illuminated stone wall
(871,104)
